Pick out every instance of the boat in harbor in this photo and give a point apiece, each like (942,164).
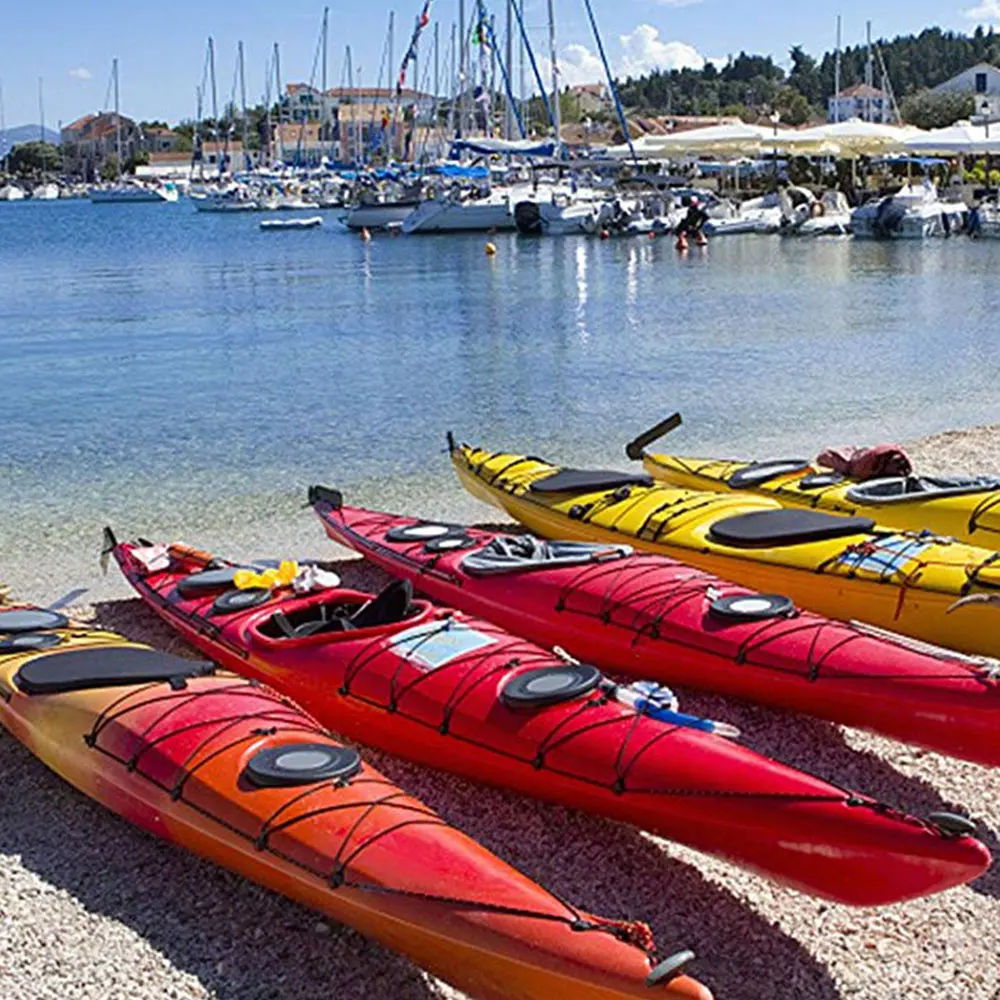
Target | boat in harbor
(915,212)
(11,192)
(122,190)
(278,225)
(133,191)
(45,192)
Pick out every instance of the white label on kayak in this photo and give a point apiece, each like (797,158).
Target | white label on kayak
(437,643)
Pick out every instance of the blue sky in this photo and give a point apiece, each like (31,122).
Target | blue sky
(161,46)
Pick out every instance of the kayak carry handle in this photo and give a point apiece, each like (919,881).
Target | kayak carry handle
(635,447)
(670,968)
(952,824)
(326,494)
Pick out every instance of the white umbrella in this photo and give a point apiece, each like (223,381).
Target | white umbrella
(962,138)
(849,139)
(734,139)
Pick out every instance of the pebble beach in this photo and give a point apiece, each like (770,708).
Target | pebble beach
(91,908)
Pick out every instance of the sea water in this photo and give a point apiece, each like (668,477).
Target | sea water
(182,374)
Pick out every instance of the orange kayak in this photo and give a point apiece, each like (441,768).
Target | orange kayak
(239,775)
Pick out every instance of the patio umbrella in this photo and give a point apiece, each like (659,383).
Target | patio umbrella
(848,139)
(961,139)
(732,139)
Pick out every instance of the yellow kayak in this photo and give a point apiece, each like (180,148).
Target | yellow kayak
(841,567)
(966,508)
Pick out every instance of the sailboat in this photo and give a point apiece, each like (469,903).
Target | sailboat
(132,190)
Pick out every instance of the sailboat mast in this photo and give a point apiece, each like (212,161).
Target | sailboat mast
(215,99)
(394,103)
(3,129)
(277,84)
(323,106)
(869,74)
(836,76)
(522,85)
(353,130)
(245,138)
(611,82)
(462,69)
(556,109)
(508,128)
(118,119)
(453,85)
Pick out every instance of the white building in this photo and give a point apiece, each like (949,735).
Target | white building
(860,101)
(982,82)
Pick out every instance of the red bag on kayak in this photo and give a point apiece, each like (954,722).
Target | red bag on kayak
(867,463)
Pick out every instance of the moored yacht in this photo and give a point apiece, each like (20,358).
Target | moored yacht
(914,212)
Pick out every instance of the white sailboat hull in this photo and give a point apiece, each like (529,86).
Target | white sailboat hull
(378,216)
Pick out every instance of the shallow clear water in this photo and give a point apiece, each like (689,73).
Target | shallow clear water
(171,372)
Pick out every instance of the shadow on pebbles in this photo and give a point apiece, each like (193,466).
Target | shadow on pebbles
(93,908)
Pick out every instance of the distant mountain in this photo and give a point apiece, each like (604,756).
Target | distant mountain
(29,133)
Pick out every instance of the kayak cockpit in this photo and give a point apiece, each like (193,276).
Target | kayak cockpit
(523,553)
(343,612)
(896,489)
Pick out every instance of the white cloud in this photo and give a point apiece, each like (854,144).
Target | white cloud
(985,12)
(578,66)
(80,73)
(640,51)
(643,51)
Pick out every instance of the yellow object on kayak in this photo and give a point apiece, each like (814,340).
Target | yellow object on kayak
(966,508)
(268,579)
(837,566)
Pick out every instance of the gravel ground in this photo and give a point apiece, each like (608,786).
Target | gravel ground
(91,908)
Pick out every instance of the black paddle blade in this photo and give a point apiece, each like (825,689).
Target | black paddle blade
(107,547)
(635,448)
(324,494)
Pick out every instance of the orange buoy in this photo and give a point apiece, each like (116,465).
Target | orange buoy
(491,249)
(651,236)
(605,235)
(365,235)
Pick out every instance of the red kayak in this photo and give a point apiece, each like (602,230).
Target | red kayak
(237,774)
(647,615)
(450,691)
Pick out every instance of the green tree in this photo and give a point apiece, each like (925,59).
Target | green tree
(110,168)
(804,76)
(927,109)
(139,157)
(32,159)
(792,106)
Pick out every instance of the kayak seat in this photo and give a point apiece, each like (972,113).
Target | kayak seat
(522,553)
(764,529)
(895,488)
(587,481)
(391,606)
(101,667)
(758,473)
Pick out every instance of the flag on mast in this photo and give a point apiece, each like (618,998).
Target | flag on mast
(411,53)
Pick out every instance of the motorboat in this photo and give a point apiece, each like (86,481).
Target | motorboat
(233,199)
(45,192)
(565,212)
(756,215)
(279,225)
(803,214)
(984,219)
(133,192)
(914,212)
(11,192)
